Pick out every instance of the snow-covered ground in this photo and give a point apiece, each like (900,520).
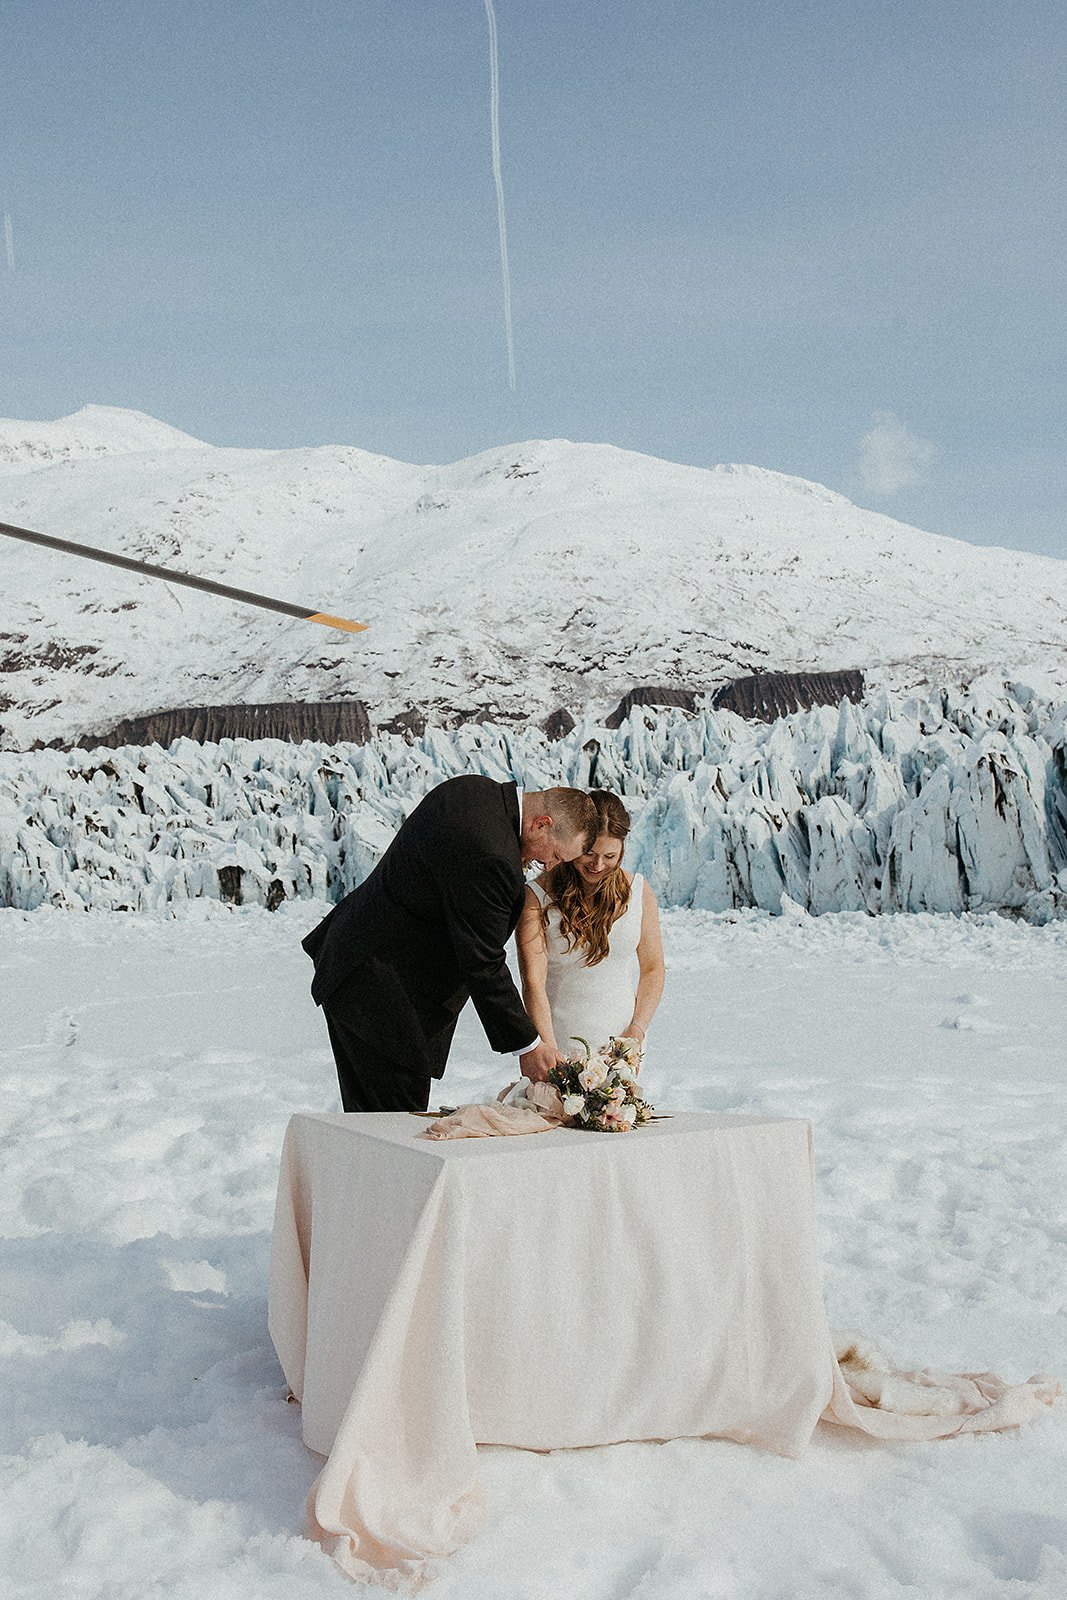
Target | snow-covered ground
(149,1064)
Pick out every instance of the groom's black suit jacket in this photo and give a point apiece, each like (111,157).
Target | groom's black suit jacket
(426,931)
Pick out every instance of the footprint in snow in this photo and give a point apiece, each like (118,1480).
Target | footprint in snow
(62,1029)
(965,1024)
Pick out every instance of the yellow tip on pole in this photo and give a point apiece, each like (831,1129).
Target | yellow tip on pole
(338,622)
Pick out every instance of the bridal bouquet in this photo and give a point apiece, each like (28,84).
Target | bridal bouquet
(599,1088)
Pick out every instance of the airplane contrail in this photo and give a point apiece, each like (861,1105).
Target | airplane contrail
(9,241)
(494,119)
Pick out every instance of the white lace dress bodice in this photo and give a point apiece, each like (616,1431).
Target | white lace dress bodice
(592,1003)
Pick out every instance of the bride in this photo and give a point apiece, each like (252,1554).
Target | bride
(587,929)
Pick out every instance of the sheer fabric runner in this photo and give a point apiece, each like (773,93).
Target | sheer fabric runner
(407,1274)
(541,1111)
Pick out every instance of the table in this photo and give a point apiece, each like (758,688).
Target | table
(557,1290)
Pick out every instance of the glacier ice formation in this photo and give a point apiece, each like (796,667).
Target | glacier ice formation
(956,801)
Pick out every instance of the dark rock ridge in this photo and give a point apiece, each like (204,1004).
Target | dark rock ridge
(327,722)
(685,699)
(558,724)
(762,698)
(769,695)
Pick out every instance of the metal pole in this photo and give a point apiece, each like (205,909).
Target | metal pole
(243,596)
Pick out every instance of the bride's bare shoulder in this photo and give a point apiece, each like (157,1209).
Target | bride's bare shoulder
(648,896)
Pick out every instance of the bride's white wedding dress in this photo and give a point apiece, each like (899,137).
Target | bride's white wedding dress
(592,1003)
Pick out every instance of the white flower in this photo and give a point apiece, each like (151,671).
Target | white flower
(628,1114)
(573,1105)
(592,1076)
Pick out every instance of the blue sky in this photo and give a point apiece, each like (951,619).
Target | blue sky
(825,238)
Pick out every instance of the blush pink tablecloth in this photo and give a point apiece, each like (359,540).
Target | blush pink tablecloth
(559,1290)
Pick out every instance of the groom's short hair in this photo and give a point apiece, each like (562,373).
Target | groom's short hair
(572,812)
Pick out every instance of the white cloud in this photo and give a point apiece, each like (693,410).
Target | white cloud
(891,457)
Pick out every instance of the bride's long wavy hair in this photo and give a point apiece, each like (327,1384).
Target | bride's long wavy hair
(586,920)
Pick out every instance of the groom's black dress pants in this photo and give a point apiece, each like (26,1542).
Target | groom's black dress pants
(368,1080)
(371,1079)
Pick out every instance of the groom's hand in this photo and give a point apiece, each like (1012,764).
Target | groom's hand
(536,1064)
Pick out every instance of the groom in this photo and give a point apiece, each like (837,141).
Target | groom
(398,958)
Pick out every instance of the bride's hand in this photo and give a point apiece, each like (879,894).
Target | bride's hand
(638,1036)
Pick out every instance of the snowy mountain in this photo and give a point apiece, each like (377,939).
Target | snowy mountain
(531,576)
(92,432)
